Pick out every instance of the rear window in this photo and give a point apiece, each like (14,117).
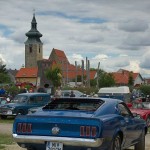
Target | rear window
(75,104)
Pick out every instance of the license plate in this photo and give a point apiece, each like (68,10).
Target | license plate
(54,146)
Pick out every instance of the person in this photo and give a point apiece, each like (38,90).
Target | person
(23,90)
(41,90)
(72,94)
(58,92)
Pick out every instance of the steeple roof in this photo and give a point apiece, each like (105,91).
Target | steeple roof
(33,33)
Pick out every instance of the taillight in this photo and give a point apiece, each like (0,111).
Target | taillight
(93,131)
(24,128)
(88,131)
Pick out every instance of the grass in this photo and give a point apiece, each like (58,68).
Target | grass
(8,120)
(5,140)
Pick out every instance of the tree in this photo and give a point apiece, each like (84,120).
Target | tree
(54,74)
(93,82)
(145,89)
(4,77)
(2,67)
(130,80)
(106,79)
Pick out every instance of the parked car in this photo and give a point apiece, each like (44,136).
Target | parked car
(34,109)
(66,93)
(22,102)
(121,92)
(143,109)
(3,101)
(80,124)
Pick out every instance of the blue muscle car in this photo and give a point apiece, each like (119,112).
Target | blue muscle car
(80,124)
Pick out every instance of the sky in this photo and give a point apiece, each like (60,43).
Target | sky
(115,33)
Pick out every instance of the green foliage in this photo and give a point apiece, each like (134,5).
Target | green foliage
(91,69)
(145,89)
(4,78)
(106,80)
(93,82)
(131,80)
(13,90)
(2,67)
(54,74)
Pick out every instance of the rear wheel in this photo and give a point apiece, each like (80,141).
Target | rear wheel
(141,144)
(116,143)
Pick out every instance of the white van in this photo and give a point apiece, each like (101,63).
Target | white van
(121,92)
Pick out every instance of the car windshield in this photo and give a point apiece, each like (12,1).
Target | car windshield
(75,104)
(19,99)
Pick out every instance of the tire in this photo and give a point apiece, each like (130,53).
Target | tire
(3,117)
(141,144)
(116,143)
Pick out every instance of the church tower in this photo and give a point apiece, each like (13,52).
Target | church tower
(33,46)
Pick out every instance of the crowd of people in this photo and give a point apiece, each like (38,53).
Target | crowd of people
(23,89)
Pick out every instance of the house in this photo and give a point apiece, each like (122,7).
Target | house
(122,77)
(27,75)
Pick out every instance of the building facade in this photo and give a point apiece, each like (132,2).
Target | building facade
(33,46)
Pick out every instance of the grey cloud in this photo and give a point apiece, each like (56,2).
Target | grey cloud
(137,40)
(129,47)
(88,39)
(145,61)
(134,26)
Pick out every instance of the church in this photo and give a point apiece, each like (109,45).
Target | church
(35,65)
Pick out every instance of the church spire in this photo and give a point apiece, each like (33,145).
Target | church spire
(33,23)
(33,33)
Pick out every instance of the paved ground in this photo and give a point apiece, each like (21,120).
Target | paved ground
(7,129)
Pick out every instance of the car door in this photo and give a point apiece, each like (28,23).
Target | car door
(131,124)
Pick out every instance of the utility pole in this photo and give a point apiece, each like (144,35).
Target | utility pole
(76,74)
(86,71)
(82,72)
(98,75)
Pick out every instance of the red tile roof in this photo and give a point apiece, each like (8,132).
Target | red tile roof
(60,55)
(122,76)
(27,72)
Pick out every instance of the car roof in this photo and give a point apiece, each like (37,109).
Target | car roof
(89,98)
(32,94)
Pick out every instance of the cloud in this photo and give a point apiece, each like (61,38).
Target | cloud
(114,32)
(145,61)
(134,26)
